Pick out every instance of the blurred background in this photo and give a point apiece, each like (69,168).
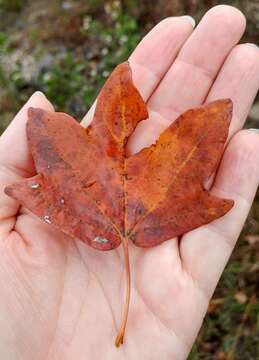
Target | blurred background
(67,49)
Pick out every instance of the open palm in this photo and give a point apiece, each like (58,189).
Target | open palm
(60,299)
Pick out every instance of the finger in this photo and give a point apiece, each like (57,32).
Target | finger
(15,159)
(206,250)
(14,151)
(190,77)
(155,53)
(239,81)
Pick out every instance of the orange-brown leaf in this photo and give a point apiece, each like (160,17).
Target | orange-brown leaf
(88,188)
(166,197)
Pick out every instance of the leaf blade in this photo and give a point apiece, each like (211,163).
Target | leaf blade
(187,153)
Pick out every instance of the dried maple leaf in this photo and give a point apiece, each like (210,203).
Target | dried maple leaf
(87,186)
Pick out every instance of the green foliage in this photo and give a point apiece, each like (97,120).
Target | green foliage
(3,40)
(64,81)
(73,80)
(12,5)
(118,39)
(73,83)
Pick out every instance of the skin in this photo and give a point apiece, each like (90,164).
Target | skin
(60,299)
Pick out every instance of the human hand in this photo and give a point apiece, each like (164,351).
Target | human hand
(60,299)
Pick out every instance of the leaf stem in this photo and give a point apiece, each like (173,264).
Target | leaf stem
(121,332)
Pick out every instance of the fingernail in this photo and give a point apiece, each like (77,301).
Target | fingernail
(38,93)
(254,130)
(190,19)
(254,45)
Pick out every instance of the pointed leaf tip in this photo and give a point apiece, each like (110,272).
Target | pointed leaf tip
(8,190)
(222,106)
(35,113)
(227,104)
(32,111)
